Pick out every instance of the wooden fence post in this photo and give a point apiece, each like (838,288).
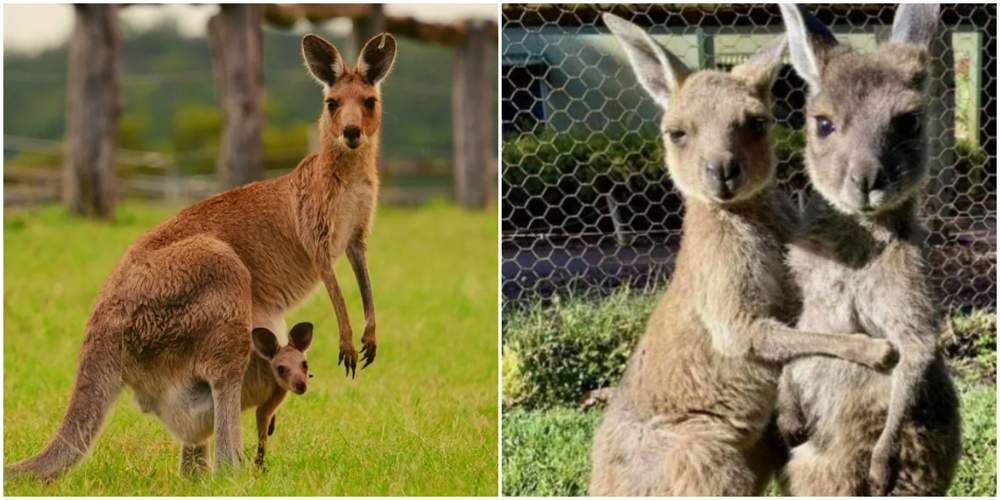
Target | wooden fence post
(89,168)
(471,115)
(235,36)
(365,28)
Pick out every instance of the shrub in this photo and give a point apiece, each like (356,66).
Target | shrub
(574,346)
(513,383)
(559,181)
(970,342)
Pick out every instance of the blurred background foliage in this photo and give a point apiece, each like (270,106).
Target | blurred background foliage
(171,106)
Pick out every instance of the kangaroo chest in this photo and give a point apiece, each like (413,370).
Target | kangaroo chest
(349,213)
(841,294)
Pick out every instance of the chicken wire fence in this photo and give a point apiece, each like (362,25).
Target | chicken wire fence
(586,201)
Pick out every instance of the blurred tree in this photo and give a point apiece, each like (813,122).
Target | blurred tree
(235,35)
(163,71)
(94,107)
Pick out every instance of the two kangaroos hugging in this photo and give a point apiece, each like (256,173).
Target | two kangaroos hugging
(174,318)
(721,394)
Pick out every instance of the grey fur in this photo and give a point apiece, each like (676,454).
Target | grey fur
(859,262)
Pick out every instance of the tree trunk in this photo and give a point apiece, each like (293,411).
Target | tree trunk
(473,122)
(365,28)
(92,113)
(235,35)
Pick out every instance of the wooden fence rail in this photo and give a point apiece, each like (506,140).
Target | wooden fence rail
(24,186)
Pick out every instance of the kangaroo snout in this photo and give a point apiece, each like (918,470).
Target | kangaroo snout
(352,135)
(865,184)
(724,177)
(300,388)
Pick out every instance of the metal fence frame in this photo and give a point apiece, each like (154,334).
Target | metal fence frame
(567,99)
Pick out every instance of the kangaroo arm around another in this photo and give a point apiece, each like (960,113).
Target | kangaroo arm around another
(737,332)
(356,255)
(773,341)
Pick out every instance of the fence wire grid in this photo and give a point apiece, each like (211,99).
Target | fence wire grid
(586,201)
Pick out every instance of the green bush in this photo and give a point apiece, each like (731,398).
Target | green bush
(969,341)
(573,347)
(972,179)
(554,180)
(557,180)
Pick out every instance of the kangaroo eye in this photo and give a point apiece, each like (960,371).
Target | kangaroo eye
(305,366)
(678,137)
(331,104)
(757,126)
(908,124)
(370,103)
(824,126)
(282,370)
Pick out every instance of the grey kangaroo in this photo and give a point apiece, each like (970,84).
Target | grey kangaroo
(691,415)
(859,262)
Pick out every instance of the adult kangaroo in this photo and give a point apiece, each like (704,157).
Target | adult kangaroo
(179,307)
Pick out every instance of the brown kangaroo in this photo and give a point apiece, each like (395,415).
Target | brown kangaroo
(275,371)
(691,415)
(179,307)
(860,264)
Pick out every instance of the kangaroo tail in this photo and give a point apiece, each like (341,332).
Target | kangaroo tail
(98,384)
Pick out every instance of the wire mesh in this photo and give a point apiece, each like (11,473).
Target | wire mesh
(586,201)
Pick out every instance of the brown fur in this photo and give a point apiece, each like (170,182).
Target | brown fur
(272,373)
(692,414)
(860,264)
(177,311)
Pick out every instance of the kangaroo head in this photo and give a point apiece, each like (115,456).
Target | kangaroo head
(867,145)
(288,363)
(716,126)
(353,109)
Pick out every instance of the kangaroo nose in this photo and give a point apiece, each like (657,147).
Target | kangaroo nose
(352,133)
(724,170)
(860,182)
(300,387)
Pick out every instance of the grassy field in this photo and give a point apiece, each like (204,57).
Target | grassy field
(552,354)
(422,420)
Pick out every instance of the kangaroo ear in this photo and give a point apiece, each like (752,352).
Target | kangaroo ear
(265,343)
(377,58)
(808,39)
(659,71)
(323,60)
(762,67)
(915,23)
(301,336)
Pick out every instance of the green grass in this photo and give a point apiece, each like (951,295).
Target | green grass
(422,420)
(549,361)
